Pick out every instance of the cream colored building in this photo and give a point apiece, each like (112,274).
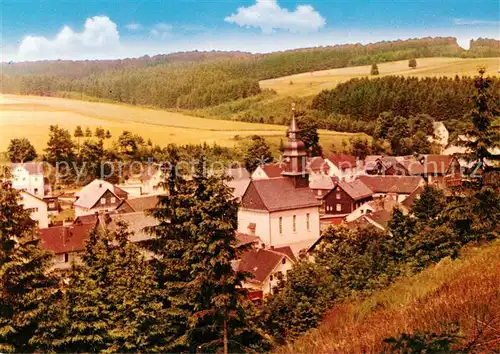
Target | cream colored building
(38,208)
(28,177)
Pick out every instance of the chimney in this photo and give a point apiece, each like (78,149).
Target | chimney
(263,245)
(100,185)
(272,247)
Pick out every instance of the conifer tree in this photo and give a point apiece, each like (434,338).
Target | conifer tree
(218,320)
(172,237)
(374,69)
(482,137)
(28,289)
(112,301)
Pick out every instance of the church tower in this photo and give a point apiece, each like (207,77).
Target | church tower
(295,154)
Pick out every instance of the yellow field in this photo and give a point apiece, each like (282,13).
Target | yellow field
(30,117)
(310,83)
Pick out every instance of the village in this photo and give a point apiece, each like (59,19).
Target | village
(283,207)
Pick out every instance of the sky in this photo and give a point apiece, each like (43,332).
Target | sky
(109,29)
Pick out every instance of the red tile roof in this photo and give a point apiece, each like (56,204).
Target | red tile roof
(341,160)
(285,250)
(392,184)
(410,200)
(86,219)
(273,170)
(356,189)
(277,194)
(318,164)
(65,239)
(140,203)
(260,263)
(245,239)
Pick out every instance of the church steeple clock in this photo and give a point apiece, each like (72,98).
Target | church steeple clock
(295,154)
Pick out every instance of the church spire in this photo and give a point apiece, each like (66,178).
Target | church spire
(295,153)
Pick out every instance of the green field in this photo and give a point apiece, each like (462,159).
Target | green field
(310,83)
(30,117)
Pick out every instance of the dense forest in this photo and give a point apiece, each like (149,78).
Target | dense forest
(199,79)
(445,99)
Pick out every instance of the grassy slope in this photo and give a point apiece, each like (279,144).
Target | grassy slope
(310,83)
(466,290)
(30,117)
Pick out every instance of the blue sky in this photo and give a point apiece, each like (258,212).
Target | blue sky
(88,29)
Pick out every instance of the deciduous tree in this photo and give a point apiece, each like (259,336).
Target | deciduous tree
(21,150)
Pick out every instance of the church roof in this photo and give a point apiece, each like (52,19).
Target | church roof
(277,194)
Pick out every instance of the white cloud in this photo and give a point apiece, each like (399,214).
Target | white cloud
(472,22)
(99,34)
(134,26)
(161,30)
(268,16)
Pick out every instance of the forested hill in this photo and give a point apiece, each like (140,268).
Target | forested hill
(203,79)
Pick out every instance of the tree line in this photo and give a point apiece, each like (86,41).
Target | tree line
(196,80)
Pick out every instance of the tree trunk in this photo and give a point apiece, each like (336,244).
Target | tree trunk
(225,337)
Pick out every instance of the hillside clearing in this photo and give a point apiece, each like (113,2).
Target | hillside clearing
(30,117)
(464,291)
(310,83)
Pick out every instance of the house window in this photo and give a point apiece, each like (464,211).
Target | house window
(66,258)
(307,222)
(283,261)
(337,195)
(113,200)
(103,200)
(270,278)
(339,207)
(281,225)
(294,223)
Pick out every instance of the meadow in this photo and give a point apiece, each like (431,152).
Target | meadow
(463,291)
(31,116)
(311,83)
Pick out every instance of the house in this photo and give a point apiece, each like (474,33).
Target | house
(266,267)
(282,210)
(345,197)
(379,219)
(270,170)
(432,167)
(343,166)
(65,242)
(398,186)
(386,203)
(384,165)
(98,196)
(147,182)
(38,208)
(29,177)
(137,204)
(320,186)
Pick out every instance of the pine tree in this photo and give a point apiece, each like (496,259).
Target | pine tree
(172,237)
(112,301)
(374,69)
(60,146)
(218,320)
(482,138)
(88,133)
(28,289)
(412,63)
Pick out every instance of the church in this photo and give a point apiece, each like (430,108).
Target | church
(283,210)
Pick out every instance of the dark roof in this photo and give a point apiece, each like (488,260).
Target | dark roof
(260,263)
(381,217)
(285,250)
(392,184)
(356,189)
(245,239)
(31,167)
(273,170)
(140,203)
(437,163)
(63,239)
(341,160)
(277,194)
(86,219)
(410,200)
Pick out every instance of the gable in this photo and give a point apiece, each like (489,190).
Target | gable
(251,199)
